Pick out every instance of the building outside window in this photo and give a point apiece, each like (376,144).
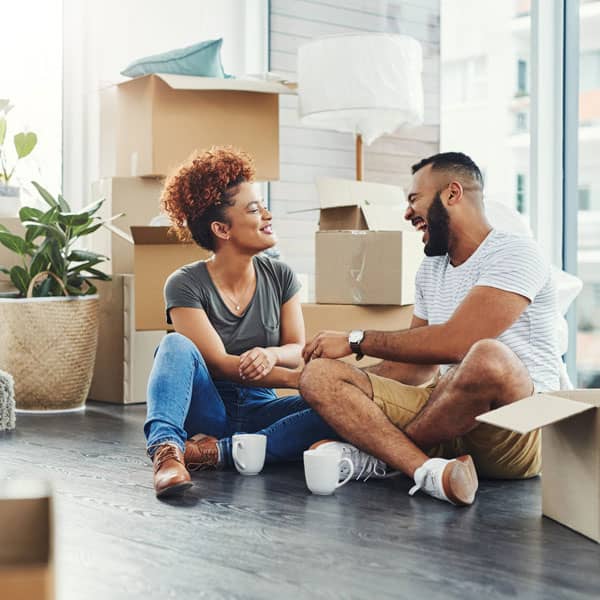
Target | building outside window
(521,196)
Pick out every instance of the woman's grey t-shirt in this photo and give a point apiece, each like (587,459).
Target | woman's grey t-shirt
(191,286)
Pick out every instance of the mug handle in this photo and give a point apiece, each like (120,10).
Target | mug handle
(237,445)
(341,483)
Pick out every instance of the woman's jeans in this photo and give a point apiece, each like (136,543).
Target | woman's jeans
(183,400)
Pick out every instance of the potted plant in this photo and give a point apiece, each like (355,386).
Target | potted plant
(50,324)
(24,143)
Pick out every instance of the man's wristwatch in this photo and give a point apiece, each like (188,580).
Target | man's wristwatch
(355,339)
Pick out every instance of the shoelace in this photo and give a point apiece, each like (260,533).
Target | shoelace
(369,465)
(206,457)
(428,482)
(166,452)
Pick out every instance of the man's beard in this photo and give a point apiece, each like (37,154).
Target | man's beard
(438,228)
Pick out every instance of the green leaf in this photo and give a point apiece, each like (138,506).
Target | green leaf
(51,230)
(45,194)
(56,259)
(72,219)
(3,228)
(41,259)
(25,143)
(27,213)
(44,290)
(85,230)
(2,128)
(74,291)
(20,279)
(14,243)
(91,290)
(78,255)
(92,208)
(4,270)
(64,205)
(95,274)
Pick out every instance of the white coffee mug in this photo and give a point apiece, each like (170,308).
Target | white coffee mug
(248,452)
(322,471)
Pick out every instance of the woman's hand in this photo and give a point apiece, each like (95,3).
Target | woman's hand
(256,363)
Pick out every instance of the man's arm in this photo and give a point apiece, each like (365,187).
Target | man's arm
(485,313)
(405,372)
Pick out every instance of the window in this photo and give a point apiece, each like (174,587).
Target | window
(584,198)
(521,194)
(464,81)
(522,78)
(521,122)
(590,70)
(31,44)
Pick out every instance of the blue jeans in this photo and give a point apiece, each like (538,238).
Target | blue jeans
(183,400)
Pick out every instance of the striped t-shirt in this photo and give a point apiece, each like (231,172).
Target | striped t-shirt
(507,262)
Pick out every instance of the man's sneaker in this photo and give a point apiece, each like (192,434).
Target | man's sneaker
(365,465)
(452,480)
(201,452)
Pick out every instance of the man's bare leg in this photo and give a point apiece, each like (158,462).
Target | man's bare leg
(491,375)
(343,396)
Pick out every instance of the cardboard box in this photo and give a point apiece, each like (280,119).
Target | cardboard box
(139,199)
(346,317)
(366,267)
(366,253)
(26,541)
(157,253)
(151,124)
(124,356)
(570,452)
(347,204)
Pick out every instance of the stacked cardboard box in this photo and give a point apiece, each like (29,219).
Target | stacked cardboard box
(149,125)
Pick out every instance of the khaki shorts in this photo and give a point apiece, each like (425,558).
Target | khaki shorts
(497,453)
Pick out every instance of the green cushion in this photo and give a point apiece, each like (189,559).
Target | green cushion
(203,59)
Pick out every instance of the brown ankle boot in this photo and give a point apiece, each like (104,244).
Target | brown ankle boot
(201,452)
(170,475)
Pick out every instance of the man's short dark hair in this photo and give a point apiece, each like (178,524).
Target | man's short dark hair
(454,162)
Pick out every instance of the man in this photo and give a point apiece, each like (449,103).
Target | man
(482,336)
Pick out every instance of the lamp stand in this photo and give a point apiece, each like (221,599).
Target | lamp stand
(359,157)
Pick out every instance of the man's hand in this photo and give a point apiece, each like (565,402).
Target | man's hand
(327,344)
(256,363)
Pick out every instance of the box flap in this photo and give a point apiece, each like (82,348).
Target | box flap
(189,82)
(533,412)
(383,206)
(153,235)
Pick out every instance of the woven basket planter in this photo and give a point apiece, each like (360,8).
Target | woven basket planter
(48,345)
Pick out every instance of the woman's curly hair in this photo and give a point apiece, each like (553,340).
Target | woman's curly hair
(201,190)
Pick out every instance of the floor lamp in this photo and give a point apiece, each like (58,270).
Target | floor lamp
(368,84)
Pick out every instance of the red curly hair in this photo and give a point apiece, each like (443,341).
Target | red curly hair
(201,190)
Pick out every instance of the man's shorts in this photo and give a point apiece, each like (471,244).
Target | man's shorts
(497,453)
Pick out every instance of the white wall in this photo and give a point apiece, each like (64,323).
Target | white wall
(307,153)
(103,37)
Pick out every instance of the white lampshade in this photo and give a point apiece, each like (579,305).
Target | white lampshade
(365,83)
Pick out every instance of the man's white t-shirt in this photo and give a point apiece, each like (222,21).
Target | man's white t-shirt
(507,262)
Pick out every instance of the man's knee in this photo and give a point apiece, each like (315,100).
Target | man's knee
(491,362)
(315,378)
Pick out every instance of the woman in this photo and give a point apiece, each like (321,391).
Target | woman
(239,331)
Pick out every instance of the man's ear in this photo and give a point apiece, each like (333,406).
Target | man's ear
(220,230)
(455,192)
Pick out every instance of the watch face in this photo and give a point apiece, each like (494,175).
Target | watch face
(355,337)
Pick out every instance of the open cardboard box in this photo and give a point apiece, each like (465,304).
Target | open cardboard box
(26,541)
(366,253)
(570,452)
(151,124)
(138,200)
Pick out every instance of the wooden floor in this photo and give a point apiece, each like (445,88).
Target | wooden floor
(268,537)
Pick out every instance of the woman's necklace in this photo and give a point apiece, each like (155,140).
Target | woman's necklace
(237,303)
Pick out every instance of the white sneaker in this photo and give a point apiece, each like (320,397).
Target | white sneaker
(365,465)
(452,480)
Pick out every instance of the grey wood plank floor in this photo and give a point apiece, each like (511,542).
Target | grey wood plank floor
(268,537)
